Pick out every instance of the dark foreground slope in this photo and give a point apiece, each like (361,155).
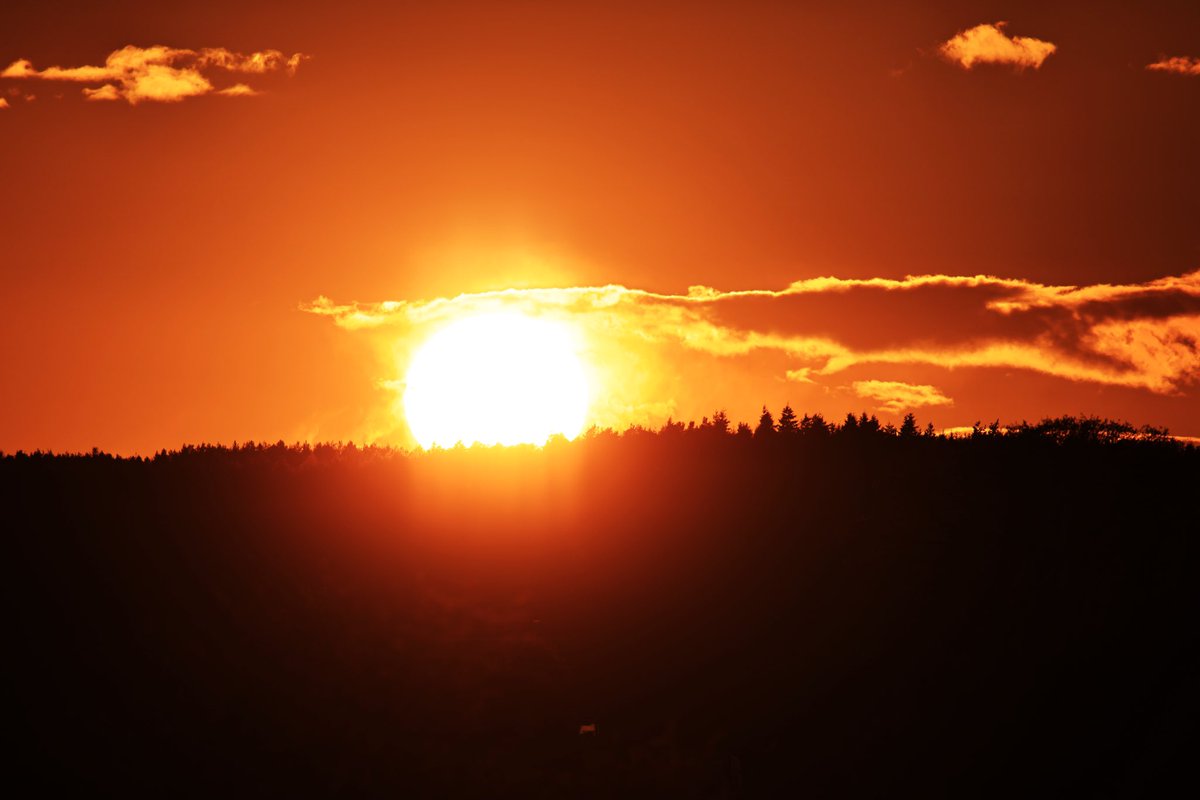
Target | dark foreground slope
(737,617)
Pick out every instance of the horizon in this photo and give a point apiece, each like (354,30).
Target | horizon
(1046,429)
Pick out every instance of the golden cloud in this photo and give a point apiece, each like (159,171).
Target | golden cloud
(238,90)
(1144,336)
(3,102)
(105,92)
(897,396)
(23,68)
(161,74)
(254,63)
(988,44)
(1180,65)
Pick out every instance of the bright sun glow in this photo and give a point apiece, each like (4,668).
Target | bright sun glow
(496,379)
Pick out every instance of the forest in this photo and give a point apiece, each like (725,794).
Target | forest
(702,610)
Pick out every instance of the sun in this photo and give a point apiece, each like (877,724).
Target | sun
(501,378)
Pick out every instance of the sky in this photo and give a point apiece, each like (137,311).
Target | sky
(234,221)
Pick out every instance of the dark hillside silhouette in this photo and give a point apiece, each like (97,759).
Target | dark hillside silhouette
(829,610)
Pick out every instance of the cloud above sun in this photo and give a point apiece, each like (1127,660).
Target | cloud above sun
(989,44)
(813,333)
(163,74)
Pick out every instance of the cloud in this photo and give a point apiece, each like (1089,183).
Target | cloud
(23,68)
(105,92)
(238,90)
(254,63)
(161,74)
(1142,336)
(1179,65)
(988,44)
(897,396)
(4,102)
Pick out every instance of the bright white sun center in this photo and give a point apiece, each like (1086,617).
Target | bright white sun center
(499,378)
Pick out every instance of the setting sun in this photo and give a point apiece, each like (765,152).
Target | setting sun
(500,378)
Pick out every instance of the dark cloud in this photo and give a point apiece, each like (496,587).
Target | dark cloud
(1136,335)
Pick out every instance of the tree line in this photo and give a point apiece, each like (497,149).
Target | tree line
(1061,430)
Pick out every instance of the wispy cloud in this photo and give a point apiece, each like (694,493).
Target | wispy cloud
(1179,65)
(253,63)
(989,44)
(161,74)
(106,92)
(238,90)
(897,396)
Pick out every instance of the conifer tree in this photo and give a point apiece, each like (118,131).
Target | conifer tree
(819,426)
(766,424)
(787,421)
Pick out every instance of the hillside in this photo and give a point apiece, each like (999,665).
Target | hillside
(736,616)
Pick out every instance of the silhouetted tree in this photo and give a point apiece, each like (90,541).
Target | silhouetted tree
(766,424)
(819,426)
(720,421)
(671,427)
(868,424)
(787,421)
(991,431)
(908,428)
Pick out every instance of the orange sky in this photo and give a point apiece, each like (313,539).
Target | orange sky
(167,235)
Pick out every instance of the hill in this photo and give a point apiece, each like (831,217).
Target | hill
(846,611)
